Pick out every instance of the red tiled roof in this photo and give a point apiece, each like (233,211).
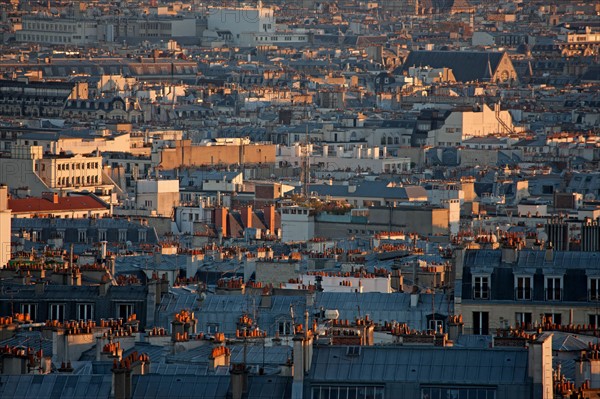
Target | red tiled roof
(33,205)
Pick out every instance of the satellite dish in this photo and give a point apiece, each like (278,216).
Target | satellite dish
(128,244)
(589,197)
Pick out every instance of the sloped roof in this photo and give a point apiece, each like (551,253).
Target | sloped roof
(427,365)
(70,203)
(568,343)
(179,386)
(535,259)
(383,307)
(370,189)
(55,386)
(466,65)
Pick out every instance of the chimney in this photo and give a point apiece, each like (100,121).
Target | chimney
(540,366)
(13,360)
(76,277)
(103,250)
(455,327)
(587,368)
(3,197)
(221,220)
(298,371)
(239,380)
(269,212)
(549,257)
(50,196)
(220,356)
(308,347)
(110,265)
(122,371)
(247,215)
(152,299)
(121,381)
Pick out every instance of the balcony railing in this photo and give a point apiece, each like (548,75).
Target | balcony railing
(481,293)
(554,294)
(523,293)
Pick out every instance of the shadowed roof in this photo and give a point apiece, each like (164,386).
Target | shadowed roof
(466,65)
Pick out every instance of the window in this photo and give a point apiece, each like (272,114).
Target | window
(449,392)
(523,319)
(57,311)
(30,309)
(212,328)
(553,288)
(124,310)
(85,311)
(82,236)
(436,325)
(481,287)
(285,328)
(142,235)
(523,289)
(481,323)
(594,288)
(122,235)
(594,320)
(350,392)
(101,235)
(553,318)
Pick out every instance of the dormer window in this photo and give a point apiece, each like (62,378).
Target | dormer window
(553,288)
(481,287)
(524,288)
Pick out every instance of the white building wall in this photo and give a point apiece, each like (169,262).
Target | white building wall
(297,224)
(332,283)
(358,157)
(461,125)
(241,20)
(185,217)
(58,31)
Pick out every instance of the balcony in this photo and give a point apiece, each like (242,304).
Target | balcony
(523,293)
(553,294)
(593,295)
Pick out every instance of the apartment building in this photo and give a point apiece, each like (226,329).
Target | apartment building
(498,288)
(45,29)
(28,168)
(38,99)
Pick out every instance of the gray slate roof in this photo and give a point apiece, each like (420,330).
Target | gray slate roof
(370,189)
(383,307)
(179,386)
(55,386)
(427,365)
(466,65)
(488,258)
